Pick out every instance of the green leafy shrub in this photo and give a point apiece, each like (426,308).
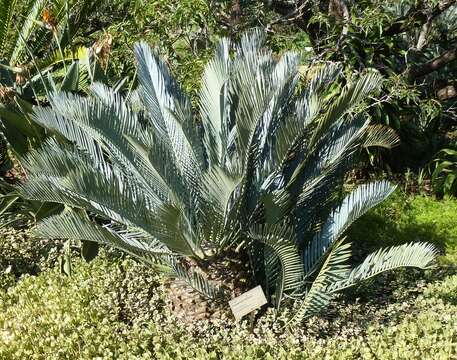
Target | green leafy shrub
(254,185)
(184,31)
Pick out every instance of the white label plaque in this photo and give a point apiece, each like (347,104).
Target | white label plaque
(247,302)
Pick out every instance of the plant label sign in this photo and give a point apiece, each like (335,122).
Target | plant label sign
(247,302)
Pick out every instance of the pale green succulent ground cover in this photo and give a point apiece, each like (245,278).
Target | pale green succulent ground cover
(115,308)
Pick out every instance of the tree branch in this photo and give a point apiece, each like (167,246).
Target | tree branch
(447,93)
(291,13)
(340,10)
(423,35)
(435,64)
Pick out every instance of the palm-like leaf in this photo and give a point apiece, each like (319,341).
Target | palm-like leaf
(287,273)
(356,204)
(30,32)
(317,298)
(419,255)
(335,275)
(259,174)
(75,226)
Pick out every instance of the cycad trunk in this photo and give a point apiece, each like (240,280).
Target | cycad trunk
(189,306)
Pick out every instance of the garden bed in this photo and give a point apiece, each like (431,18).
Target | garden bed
(114,307)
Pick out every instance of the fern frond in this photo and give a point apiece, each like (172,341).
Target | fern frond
(215,103)
(196,281)
(381,136)
(163,98)
(282,244)
(350,96)
(326,74)
(101,126)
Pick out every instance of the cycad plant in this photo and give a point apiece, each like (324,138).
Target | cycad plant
(248,192)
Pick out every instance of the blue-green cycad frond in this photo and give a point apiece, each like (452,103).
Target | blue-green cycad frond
(215,104)
(284,266)
(354,205)
(169,110)
(316,298)
(336,275)
(101,126)
(420,255)
(74,226)
(173,130)
(62,175)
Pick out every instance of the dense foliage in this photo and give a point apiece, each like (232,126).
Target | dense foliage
(412,43)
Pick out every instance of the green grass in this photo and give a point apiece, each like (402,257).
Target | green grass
(403,219)
(115,308)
